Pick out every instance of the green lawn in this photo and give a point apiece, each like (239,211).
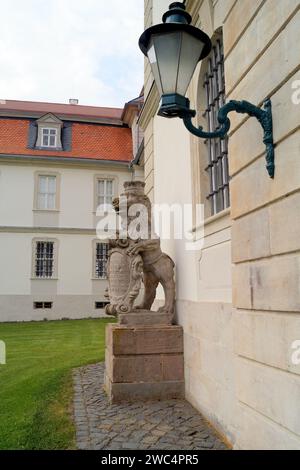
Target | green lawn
(36,383)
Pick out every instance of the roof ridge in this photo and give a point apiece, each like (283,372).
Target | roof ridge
(59,104)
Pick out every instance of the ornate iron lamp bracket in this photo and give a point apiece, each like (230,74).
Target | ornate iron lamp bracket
(264,116)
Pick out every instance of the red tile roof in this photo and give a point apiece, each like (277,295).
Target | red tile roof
(89,141)
(39,108)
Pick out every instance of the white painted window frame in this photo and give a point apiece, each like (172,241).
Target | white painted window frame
(37,176)
(115,187)
(107,198)
(47,194)
(49,135)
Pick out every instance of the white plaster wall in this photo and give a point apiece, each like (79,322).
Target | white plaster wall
(15,264)
(77,198)
(75,291)
(17,194)
(202,275)
(73,294)
(172,174)
(76,193)
(75,264)
(19,308)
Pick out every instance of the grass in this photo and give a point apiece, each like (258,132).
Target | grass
(36,382)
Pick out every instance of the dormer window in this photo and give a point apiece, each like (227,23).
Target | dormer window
(49,133)
(49,137)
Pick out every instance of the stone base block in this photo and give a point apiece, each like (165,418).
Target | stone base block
(144,362)
(128,340)
(133,392)
(145,318)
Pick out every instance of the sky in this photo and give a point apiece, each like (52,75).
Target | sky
(53,50)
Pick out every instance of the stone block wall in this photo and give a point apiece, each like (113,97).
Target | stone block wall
(238,337)
(266,218)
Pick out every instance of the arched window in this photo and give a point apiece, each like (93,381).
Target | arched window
(217,149)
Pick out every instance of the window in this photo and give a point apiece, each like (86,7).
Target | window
(49,137)
(105,191)
(101,257)
(46,197)
(42,305)
(100,305)
(214,85)
(44,259)
(49,132)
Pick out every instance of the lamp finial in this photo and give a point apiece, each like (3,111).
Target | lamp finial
(177,14)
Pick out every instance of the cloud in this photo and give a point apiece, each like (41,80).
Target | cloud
(59,49)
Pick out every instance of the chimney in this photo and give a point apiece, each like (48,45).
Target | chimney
(73,101)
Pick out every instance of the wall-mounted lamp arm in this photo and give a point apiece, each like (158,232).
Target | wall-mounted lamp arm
(264,116)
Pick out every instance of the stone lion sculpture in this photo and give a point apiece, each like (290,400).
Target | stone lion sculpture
(138,260)
(157,268)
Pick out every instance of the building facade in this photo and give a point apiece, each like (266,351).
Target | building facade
(238,297)
(58,163)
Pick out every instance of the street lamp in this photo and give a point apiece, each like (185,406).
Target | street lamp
(174,49)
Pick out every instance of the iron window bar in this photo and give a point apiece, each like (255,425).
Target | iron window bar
(101,260)
(217,168)
(44,260)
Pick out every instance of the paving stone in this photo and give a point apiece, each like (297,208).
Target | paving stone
(150,440)
(101,445)
(82,435)
(82,445)
(165,425)
(129,446)
(208,444)
(158,433)
(113,447)
(148,427)
(138,435)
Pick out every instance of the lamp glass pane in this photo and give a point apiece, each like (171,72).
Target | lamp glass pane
(191,49)
(154,67)
(167,50)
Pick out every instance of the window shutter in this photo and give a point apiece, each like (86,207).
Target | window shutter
(66,139)
(32,134)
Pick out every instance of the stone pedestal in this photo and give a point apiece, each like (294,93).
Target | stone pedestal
(144,362)
(145,318)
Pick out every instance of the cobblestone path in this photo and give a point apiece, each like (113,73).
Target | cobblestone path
(164,425)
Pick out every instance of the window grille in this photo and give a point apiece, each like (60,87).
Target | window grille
(100,305)
(101,260)
(48,305)
(214,85)
(44,260)
(42,305)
